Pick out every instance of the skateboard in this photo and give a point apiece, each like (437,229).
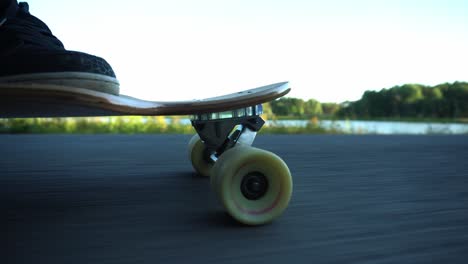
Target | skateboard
(253,185)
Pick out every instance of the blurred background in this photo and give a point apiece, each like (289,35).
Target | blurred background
(395,66)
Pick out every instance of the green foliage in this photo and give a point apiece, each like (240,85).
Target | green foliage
(312,108)
(410,93)
(93,125)
(411,101)
(330,109)
(296,108)
(130,125)
(268,112)
(288,106)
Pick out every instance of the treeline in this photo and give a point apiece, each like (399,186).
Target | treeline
(411,100)
(405,101)
(294,107)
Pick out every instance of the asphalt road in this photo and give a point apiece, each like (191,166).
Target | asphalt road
(135,199)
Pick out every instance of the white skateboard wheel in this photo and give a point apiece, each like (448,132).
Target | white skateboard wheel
(254,185)
(195,152)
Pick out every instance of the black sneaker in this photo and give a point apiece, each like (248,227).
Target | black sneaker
(29,53)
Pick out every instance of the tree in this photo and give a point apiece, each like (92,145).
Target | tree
(330,109)
(411,100)
(288,106)
(410,93)
(312,108)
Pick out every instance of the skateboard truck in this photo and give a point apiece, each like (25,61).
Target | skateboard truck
(222,131)
(254,185)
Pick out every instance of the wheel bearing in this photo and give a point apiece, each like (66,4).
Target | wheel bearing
(254,185)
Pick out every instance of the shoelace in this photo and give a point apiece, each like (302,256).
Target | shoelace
(30,30)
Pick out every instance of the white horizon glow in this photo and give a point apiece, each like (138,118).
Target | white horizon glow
(331,51)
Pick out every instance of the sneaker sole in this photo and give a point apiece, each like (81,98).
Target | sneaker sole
(91,81)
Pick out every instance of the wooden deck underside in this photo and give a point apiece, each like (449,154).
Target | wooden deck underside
(40,100)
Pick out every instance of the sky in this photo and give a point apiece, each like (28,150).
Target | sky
(331,51)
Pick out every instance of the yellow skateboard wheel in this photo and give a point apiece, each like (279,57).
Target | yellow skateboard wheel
(196,150)
(254,185)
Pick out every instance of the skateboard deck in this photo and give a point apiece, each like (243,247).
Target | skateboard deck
(42,100)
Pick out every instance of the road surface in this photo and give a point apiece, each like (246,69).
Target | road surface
(134,199)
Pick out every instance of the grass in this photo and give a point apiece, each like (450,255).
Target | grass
(129,125)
